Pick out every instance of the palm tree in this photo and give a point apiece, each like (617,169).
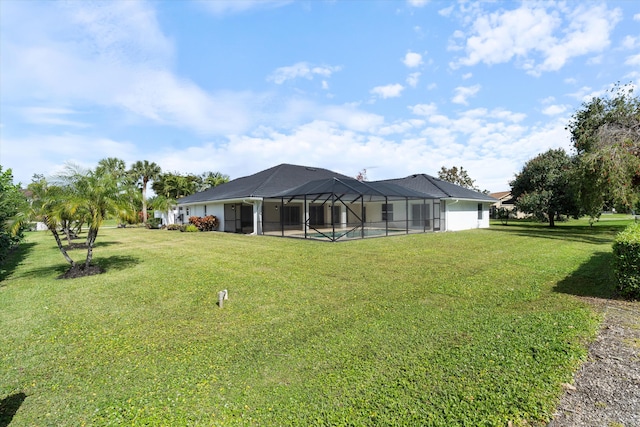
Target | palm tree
(143,172)
(211,179)
(47,205)
(113,166)
(96,195)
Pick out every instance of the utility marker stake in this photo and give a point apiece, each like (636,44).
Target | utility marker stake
(221,297)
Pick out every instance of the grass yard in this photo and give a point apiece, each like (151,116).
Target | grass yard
(469,328)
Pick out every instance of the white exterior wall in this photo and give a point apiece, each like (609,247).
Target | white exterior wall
(463,215)
(215,209)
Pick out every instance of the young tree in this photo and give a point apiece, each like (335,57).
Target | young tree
(457,176)
(606,135)
(12,200)
(96,195)
(143,172)
(48,205)
(545,186)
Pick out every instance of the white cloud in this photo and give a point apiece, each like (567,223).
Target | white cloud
(113,55)
(413,79)
(301,70)
(424,109)
(417,3)
(52,116)
(554,110)
(388,91)
(633,60)
(539,39)
(630,42)
(412,59)
(56,150)
(225,7)
(462,93)
(636,17)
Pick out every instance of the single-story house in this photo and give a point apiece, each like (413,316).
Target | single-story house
(507,201)
(309,202)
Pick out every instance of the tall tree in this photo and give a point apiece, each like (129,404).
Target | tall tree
(545,186)
(211,179)
(143,172)
(113,166)
(175,185)
(606,135)
(457,176)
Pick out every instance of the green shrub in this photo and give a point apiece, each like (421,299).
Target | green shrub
(190,228)
(626,264)
(154,223)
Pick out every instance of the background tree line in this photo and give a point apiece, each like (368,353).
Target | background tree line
(80,198)
(604,171)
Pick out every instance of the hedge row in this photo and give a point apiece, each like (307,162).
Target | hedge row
(626,264)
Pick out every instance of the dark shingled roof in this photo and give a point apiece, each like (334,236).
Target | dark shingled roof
(352,186)
(440,189)
(267,183)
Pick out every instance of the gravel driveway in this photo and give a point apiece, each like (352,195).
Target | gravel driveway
(606,389)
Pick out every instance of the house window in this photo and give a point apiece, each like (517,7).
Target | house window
(387,212)
(479,210)
(291,215)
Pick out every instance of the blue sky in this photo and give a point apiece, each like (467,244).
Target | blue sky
(393,87)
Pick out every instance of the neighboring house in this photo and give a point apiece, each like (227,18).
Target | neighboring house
(506,200)
(301,201)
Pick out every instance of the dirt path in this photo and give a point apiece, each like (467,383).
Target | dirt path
(606,389)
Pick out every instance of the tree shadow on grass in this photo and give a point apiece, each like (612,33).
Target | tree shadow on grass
(594,278)
(82,245)
(14,259)
(9,407)
(117,262)
(107,264)
(593,235)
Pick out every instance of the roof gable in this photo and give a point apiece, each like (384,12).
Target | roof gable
(439,188)
(353,187)
(266,183)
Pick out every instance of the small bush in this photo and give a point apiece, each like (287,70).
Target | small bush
(626,263)
(206,223)
(173,227)
(189,228)
(154,223)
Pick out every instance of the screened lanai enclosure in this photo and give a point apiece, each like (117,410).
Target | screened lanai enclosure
(337,209)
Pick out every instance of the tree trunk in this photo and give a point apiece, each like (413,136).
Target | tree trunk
(144,201)
(67,231)
(93,233)
(552,218)
(62,249)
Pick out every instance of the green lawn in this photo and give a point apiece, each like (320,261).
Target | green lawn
(470,328)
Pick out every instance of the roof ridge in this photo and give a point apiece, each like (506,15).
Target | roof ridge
(432,179)
(276,169)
